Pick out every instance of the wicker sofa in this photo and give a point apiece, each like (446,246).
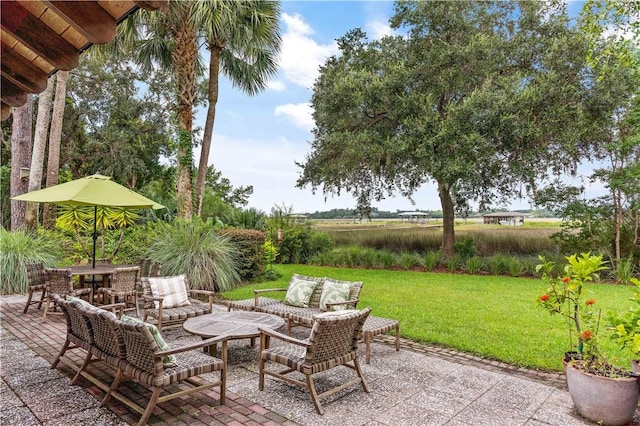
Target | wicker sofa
(133,352)
(298,315)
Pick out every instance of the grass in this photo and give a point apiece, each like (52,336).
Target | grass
(494,317)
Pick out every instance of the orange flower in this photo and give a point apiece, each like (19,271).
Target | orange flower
(566,279)
(587,334)
(590,302)
(544,297)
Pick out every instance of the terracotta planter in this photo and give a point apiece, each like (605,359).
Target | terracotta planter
(600,399)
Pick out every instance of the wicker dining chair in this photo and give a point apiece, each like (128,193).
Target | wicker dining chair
(36,277)
(124,284)
(333,342)
(58,281)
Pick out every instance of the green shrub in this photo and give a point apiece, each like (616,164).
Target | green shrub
(319,242)
(408,260)
(513,267)
(19,248)
(387,259)
(466,247)
(194,248)
(453,263)
(250,246)
(474,264)
(496,264)
(431,260)
(370,258)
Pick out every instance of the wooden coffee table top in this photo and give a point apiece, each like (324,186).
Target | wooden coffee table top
(235,324)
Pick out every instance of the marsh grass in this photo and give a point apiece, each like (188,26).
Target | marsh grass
(494,317)
(486,239)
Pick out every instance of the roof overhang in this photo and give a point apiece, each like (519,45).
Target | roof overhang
(40,37)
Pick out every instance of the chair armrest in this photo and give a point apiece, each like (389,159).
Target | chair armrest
(204,292)
(113,306)
(192,346)
(353,302)
(82,291)
(207,293)
(257,293)
(152,298)
(268,290)
(283,337)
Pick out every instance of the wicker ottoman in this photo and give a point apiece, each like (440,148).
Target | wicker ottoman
(377,325)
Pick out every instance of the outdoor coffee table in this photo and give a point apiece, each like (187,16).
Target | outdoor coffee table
(234,324)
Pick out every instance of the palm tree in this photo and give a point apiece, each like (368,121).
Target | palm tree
(242,37)
(243,40)
(168,39)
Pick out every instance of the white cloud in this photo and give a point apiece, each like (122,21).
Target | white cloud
(299,114)
(300,55)
(377,29)
(277,85)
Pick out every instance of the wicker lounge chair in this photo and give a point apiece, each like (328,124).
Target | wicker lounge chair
(171,316)
(144,364)
(36,277)
(124,284)
(333,342)
(58,281)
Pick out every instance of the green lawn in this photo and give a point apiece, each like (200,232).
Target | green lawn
(490,316)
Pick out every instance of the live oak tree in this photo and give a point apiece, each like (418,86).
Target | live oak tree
(482,98)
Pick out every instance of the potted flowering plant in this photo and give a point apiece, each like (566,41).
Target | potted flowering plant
(600,391)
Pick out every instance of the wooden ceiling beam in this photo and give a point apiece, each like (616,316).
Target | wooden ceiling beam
(21,72)
(6,112)
(12,94)
(45,42)
(88,18)
(150,5)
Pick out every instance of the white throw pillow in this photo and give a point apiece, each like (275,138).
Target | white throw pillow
(334,291)
(172,289)
(336,314)
(299,292)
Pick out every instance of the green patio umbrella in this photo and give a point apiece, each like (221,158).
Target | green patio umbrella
(95,190)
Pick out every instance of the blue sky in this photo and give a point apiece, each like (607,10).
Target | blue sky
(257,139)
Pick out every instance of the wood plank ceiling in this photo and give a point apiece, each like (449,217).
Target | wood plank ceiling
(39,37)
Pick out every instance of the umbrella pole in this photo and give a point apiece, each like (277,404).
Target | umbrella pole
(95,238)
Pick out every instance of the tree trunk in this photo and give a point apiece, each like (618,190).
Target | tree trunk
(184,54)
(21,131)
(448,217)
(214,70)
(53,163)
(39,145)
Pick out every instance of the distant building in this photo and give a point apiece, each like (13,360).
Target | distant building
(415,217)
(504,218)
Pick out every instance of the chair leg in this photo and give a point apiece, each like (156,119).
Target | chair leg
(55,362)
(42,296)
(135,301)
(356,363)
(150,407)
(85,364)
(114,386)
(314,395)
(26,307)
(47,303)
(263,346)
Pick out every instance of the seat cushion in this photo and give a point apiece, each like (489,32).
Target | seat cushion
(299,292)
(172,289)
(334,291)
(167,361)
